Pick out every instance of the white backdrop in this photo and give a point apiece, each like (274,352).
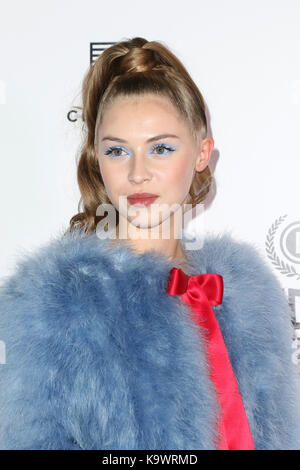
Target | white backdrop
(243,55)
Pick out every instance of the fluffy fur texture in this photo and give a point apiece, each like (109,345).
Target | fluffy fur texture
(100,356)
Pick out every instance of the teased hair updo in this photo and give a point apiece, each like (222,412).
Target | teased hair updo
(133,67)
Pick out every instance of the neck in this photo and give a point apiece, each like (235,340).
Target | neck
(170,247)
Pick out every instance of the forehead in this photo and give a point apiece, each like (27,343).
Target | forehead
(147,110)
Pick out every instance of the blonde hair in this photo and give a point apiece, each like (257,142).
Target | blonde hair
(133,67)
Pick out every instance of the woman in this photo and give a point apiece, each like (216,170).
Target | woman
(116,335)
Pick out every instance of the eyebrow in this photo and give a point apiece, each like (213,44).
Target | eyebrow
(157,137)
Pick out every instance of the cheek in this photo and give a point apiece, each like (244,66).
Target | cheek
(179,176)
(109,174)
(109,177)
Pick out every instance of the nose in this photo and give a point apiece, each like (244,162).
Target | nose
(138,171)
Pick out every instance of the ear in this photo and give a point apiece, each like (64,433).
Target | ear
(203,153)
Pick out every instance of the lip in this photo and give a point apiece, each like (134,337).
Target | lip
(141,195)
(144,199)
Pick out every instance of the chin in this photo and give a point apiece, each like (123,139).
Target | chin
(144,223)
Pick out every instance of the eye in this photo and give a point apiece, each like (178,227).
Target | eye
(110,150)
(163,147)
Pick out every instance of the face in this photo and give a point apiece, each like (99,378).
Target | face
(130,163)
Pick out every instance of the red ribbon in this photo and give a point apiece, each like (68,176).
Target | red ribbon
(200,292)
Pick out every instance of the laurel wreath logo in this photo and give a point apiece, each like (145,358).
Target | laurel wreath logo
(283,267)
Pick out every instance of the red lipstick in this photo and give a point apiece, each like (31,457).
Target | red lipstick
(144,199)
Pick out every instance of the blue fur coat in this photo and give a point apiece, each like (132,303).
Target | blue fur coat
(100,356)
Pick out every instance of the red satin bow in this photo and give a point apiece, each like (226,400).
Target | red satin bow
(200,292)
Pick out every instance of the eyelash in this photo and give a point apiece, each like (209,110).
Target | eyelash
(109,150)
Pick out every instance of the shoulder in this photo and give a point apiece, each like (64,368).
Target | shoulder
(224,250)
(61,261)
(253,295)
(58,296)
(240,262)
(51,288)
(251,288)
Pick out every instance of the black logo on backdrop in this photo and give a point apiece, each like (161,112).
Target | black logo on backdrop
(96,48)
